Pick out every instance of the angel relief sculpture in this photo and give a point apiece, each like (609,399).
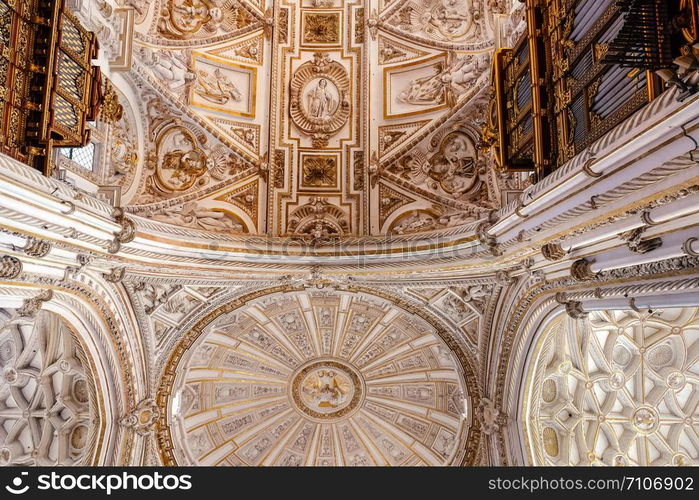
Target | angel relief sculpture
(460,74)
(192,215)
(216,87)
(454,170)
(426,90)
(183,18)
(325,389)
(443,20)
(169,67)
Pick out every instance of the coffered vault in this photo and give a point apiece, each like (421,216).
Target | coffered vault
(256,118)
(287,243)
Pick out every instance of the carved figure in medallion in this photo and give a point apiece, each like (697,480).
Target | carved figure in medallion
(182,163)
(183,18)
(319,103)
(320,100)
(185,165)
(326,390)
(448,19)
(453,167)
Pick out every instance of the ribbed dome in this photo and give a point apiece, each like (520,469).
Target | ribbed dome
(318,378)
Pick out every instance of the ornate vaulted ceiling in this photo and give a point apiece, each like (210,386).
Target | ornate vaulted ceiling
(318,378)
(184,301)
(314,119)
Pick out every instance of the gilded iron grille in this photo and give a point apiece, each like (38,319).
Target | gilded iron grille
(48,86)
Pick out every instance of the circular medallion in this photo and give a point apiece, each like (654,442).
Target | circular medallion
(676,380)
(617,380)
(645,419)
(327,389)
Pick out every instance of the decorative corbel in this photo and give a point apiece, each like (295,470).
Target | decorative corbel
(127,232)
(637,244)
(687,247)
(575,310)
(10,267)
(573,307)
(553,251)
(73,271)
(503,278)
(70,205)
(590,159)
(116,275)
(484,237)
(581,270)
(647,219)
(518,210)
(34,247)
(30,307)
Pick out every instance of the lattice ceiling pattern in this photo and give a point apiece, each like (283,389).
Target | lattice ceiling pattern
(319,378)
(45,393)
(619,388)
